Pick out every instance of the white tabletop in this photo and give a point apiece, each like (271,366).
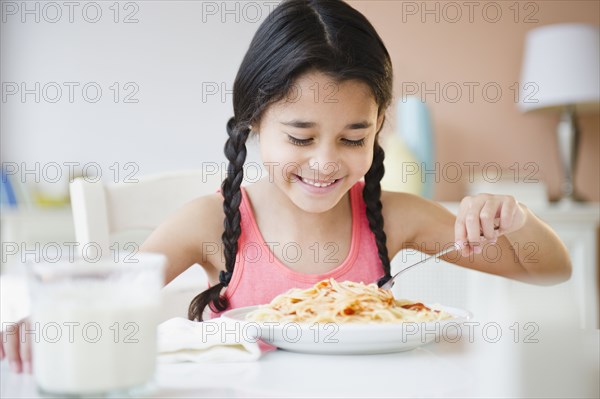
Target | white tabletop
(561,364)
(525,343)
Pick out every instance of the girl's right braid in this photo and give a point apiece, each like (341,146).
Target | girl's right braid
(372,198)
(235,151)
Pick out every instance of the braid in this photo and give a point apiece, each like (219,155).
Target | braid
(372,198)
(235,151)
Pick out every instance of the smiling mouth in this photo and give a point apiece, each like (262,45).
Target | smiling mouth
(317,183)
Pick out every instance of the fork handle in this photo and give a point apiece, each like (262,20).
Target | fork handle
(390,283)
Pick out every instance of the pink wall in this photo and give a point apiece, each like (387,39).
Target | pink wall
(475,49)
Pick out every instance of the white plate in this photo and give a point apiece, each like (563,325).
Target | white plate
(335,338)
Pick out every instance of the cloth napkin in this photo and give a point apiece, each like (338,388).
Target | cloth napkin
(216,340)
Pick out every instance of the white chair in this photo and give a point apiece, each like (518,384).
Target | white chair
(118,217)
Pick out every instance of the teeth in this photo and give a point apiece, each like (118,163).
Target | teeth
(316,183)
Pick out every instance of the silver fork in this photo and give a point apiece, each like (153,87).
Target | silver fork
(390,282)
(454,247)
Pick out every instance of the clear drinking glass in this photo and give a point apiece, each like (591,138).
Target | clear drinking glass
(93,324)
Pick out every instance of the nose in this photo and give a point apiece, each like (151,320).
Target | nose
(324,161)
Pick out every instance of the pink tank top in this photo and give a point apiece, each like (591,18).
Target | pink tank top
(259,276)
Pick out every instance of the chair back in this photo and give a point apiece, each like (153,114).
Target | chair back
(111,217)
(103,212)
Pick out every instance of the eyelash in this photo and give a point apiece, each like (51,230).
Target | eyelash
(298,142)
(355,143)
(305,142)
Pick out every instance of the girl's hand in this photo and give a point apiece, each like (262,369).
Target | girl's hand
(11,347)
(485,217)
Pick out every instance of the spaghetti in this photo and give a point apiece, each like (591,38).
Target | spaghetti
(343,302)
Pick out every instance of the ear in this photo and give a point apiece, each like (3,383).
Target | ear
(255,126)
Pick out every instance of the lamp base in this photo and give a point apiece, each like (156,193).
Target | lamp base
(567,136)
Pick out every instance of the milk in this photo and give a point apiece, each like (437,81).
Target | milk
(94,332)
(99,349)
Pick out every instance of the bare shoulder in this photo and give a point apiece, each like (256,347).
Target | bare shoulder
(399,200)
(189,235)
(206,210)
(410,218)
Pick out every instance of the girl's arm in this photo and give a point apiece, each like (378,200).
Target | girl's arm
(534,245)
(191,235)
(524,247)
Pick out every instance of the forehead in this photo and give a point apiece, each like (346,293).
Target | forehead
(317,94)
(320,87)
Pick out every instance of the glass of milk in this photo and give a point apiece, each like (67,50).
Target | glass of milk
(93,324)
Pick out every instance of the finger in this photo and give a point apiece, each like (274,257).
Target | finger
(11,347)
(460,236)
(25,351)
(466,207)
(473,230)
(507,214)
(486,217)
(460,228)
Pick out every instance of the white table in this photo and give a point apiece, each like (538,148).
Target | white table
(562,364)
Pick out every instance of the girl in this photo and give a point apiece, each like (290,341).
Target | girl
(314,87)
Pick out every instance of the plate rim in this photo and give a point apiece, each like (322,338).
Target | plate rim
(354,342)
(462,316)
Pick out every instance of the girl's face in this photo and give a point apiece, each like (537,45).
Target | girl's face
(318,142)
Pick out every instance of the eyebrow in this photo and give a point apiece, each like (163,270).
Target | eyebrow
(307,125)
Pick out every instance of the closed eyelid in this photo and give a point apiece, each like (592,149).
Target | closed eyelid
(298,141)
(293,136)
(357,143)
(356,139)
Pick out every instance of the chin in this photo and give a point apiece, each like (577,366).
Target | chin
(316,208)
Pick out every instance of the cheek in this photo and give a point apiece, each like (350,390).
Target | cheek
(279,161)
(361,161)
(278,155)
(268,148)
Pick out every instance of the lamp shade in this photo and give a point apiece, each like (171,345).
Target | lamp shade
(561,66)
